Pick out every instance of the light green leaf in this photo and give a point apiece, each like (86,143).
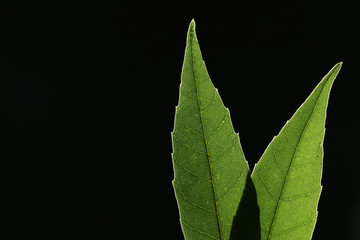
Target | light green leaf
(288,176)
(210,170)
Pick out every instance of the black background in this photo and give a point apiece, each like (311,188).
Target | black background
(88,93)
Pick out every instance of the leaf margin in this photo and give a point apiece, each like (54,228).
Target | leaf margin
(329,77)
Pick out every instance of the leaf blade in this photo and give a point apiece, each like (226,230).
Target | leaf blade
(210,169)
(288,176)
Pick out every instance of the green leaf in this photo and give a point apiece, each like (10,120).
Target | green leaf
(210,170)
(288,176)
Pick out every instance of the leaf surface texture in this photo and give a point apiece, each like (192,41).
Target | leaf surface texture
(288,176)
(210,169)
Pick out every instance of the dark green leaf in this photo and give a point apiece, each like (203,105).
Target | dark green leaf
(209,165)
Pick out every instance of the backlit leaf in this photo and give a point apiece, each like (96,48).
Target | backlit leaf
(210,171)
(288,176)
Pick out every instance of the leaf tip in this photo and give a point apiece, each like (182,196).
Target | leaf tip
(191,35)
(339,64)
(336,68)
(192,26)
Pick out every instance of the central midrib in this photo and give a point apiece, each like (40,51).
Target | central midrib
(291,164)
(193,41)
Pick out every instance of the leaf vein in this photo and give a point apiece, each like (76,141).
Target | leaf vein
(197,230)
(267,187)
(232,187)
(189,171)
(186,94)
(220,125)
(291,163)
(192,130)
(211,103)
(225,153)
(287,138)
(262,228)
(277,161)
(191,202)
(189,147)
(301,195)
(197,87)
(296,227)
(319,156)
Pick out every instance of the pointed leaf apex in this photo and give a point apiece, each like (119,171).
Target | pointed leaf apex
(339,64)
(335,70)
(192,26)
